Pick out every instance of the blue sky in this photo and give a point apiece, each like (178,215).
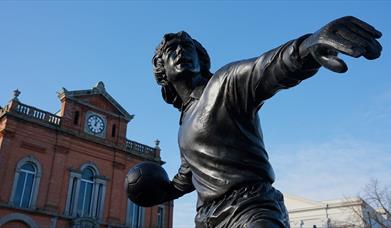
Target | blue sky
(326,137)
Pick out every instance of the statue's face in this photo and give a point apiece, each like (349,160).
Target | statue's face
(181,60)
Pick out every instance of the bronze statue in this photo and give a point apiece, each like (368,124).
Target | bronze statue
(223,156)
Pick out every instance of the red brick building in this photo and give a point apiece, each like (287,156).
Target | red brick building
(68,169)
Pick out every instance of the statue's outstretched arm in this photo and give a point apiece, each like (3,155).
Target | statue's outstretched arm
(347,35)
(250,82)
(255,80)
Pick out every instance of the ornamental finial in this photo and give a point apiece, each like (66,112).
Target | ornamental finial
(157,142)
(16,94)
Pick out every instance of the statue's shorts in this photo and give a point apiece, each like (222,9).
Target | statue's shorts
(253,206)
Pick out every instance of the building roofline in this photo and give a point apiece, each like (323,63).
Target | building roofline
(57,127)
(98,89)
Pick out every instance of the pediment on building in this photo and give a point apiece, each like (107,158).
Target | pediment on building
(96,97)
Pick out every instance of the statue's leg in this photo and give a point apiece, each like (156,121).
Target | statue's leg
(264,224)
(253,206)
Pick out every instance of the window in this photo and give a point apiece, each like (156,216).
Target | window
(76,118)
(160,217)
(86,191)
(135,215)
(24,187)
(113,129)
(26,183)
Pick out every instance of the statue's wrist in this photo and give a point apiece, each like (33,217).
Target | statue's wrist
(304,46)
(305,56)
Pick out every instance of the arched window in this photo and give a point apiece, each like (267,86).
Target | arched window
(17,220)
(26,183)
(86,193)
(135,215)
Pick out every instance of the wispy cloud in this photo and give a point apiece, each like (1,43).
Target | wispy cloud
(332,169)
(380,110)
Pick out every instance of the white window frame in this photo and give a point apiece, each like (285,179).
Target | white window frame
(74,182)
(35,184)
(161,221)
(135,215)
(86,184)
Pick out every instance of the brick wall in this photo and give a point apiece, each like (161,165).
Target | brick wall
(59,149)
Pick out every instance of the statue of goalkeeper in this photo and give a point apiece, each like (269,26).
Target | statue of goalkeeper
(223,156)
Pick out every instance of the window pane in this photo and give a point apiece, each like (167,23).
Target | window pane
(88,174)
(160,217)
(98,201)
(87,201)
(81,198)
(19,189)
(73,192)
(28,167)
(135,215)
(27,190)
(129,212)
(140,222)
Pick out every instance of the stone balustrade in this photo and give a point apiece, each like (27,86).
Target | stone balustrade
(49,118)
(132,146)
(37,114)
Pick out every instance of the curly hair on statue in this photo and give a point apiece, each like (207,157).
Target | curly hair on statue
(168,91)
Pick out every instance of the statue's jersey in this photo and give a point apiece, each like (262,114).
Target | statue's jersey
(220,137)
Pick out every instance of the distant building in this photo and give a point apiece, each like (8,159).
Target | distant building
(68,169)
(346,213)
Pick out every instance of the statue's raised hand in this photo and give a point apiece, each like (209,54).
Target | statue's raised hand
(347,35)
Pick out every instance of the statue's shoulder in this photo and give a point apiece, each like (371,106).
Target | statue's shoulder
(235,69)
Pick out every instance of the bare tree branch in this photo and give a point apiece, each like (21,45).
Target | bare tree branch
(376,206)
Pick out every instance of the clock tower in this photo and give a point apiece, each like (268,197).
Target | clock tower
(94,114)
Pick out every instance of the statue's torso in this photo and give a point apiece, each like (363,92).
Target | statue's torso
(223,148)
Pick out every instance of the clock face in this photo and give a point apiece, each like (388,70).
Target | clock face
(95,124)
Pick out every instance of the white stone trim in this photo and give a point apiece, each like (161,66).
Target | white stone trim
(36,181)
(102,202)
(91,165)
(163,215)
(72,176)
(18,217)
(98,180)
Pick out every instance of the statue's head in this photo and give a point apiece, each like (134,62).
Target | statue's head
(168,92)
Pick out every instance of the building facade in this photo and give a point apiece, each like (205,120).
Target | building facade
(344,213)
(68,169)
